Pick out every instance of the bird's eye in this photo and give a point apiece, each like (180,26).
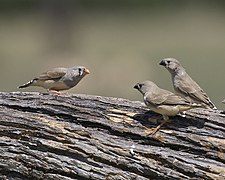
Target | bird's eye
(168,62)
(80,71)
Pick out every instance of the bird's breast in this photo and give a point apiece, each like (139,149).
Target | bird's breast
(52,84)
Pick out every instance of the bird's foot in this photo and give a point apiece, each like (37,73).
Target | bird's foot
(55,92)
(153,131)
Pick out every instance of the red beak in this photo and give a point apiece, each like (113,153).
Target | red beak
(86,71)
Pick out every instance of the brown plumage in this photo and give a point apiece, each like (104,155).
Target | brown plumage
(184,85)
(162,101)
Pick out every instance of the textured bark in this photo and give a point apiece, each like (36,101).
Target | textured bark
(46,136)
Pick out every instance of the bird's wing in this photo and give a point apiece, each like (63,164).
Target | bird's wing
(192,89)
(55,73)
(164,97)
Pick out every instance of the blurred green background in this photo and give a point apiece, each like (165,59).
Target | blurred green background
(120,41)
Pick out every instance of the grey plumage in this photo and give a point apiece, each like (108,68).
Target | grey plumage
(162,101)
(58,79)
(184,85)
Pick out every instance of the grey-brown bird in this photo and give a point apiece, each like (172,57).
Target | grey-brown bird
(162,101)
(58,79)
(184,85)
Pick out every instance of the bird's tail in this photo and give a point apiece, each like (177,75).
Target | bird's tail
(212,106)
(27,84)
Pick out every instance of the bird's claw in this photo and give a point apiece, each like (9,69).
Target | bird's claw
(55,92)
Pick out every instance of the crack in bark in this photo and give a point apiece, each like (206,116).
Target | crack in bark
(81,137)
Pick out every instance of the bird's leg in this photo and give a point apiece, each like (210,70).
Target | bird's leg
(153,131)
(50,91)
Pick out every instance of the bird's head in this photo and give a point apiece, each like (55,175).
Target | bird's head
(146,86)
(170,63)
(80,70)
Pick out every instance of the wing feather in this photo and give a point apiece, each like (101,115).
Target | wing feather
(189,87)
(164,97)
(55,73)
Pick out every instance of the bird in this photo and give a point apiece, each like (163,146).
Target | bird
(184,85)
(163,101)
(58,79)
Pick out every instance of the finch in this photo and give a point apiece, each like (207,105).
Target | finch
(184,85)
(162,101)
(58,79)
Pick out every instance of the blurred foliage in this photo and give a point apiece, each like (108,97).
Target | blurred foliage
(28,4)
(120,41)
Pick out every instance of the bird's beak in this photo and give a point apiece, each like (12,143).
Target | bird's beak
(136,86)
(86,71)
(163,63)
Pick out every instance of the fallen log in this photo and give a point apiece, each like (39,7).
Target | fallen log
(44,136)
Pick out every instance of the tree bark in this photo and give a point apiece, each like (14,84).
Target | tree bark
(44,136)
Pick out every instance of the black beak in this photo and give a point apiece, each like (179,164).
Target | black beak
(163,63)
(136,86)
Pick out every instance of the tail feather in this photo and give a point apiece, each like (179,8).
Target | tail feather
(212,106)
(27,84)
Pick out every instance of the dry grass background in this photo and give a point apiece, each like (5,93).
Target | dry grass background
(120,44)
